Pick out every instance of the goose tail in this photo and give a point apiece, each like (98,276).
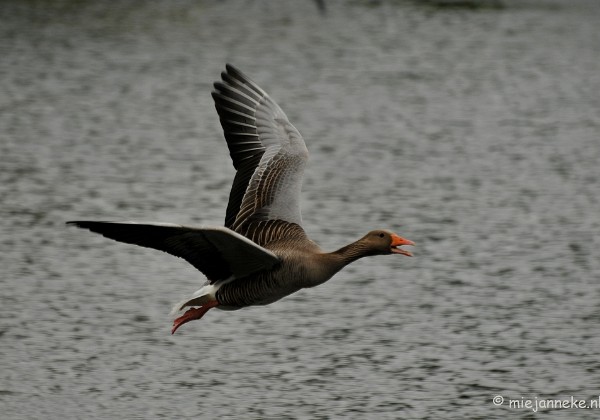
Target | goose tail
(200,297)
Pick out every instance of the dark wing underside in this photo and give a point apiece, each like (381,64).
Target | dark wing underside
(217,252)
(236,100)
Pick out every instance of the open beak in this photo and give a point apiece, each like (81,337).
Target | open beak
(399,241)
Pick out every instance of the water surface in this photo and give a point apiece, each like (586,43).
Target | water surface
(470,128)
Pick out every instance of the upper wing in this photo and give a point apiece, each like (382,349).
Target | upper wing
(267,151)
(217,252)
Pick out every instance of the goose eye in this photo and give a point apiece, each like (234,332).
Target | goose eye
(381,235)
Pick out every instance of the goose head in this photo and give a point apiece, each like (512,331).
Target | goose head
(383,242)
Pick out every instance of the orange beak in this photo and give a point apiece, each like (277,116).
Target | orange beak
(399,241)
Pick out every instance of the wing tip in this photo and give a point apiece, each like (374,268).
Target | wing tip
(230,68)
(233,73)
(89,222)
(77,223)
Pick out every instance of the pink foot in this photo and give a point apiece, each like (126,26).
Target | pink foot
(192,314)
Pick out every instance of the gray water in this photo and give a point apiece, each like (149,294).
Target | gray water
(471,128)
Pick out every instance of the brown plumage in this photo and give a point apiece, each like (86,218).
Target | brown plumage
(262,254)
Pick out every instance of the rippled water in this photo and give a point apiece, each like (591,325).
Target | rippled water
(471,128)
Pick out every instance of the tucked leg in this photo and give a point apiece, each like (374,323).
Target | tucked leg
(192,314)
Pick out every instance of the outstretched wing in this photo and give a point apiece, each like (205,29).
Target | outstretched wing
(217,252)
(268,153)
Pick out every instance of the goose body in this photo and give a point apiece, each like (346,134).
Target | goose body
(262,254)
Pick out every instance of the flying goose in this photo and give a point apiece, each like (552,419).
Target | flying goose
(262,254)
